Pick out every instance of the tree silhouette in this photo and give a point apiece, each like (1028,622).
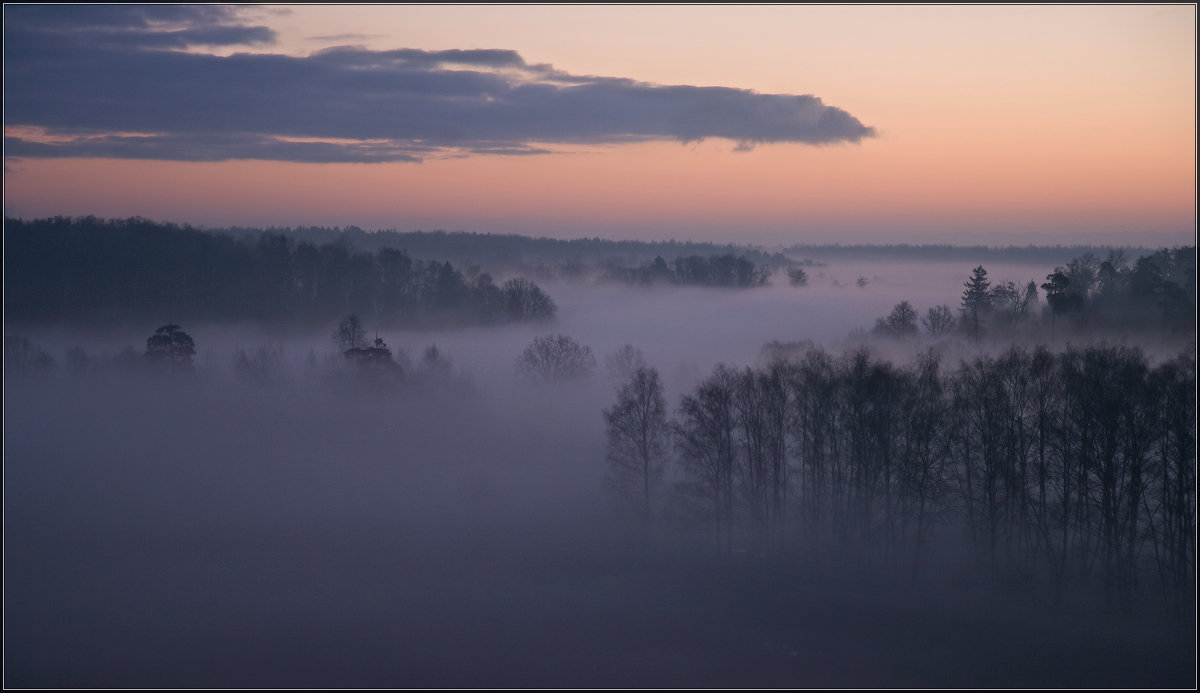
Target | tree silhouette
(350,334)
(797,276)
(939,320)
(552,358)
(637,437)
(976,300)
(170,349)
(375,363)
(524,300)
(624,362)
(901,322)
(705,437)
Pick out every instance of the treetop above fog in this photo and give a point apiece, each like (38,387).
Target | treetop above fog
(1154,295)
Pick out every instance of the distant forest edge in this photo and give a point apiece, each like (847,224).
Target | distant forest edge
(121,269)
(1033,254)
(101,270)
(539,255)
(512,250)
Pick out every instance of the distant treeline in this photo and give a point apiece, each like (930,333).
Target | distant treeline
(95,269)
(511,251)
(1035,254)
(694,270)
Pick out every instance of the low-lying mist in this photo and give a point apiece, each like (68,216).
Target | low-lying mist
(311,530)
(678,328)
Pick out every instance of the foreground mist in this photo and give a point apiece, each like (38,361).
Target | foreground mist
(158,535)
(207,531)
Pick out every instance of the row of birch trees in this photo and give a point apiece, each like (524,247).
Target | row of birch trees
(1066,468)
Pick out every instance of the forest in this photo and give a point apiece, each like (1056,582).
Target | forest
(405,456)
(1086,297)
(511,252)
(104,270)
(694,270)
(1067,468)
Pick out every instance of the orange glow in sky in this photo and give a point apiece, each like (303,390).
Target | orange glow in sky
(994,124)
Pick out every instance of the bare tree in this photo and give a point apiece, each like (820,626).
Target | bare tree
(761,404)
(623,363)
(922,459)
(350,334)
(637,437)
(552,358)
(705,437)
(939,320)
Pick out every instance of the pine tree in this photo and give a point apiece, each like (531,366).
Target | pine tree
(976,300)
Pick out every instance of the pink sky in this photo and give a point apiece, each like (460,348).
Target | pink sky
(993,124)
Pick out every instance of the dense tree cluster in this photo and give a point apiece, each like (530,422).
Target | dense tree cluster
(350,338)
(1066,468)
(374,364)
(95,269)
(1156,294)
(727,270)
(511,251)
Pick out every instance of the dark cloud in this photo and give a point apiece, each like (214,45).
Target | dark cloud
(111,82)
(213,147)
(67,18)
(224,147)
(131,26)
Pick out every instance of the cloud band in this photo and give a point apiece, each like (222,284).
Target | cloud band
(114,82)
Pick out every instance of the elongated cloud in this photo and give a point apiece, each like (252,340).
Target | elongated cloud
(118,82)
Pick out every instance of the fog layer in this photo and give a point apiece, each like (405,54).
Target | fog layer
(204,531)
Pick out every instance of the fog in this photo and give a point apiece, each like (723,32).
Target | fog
(203,531)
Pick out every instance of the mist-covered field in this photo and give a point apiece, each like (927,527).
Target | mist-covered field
(312,530)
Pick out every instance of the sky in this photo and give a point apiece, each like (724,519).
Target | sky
(768,124)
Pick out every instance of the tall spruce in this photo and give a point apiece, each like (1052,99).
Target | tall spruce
(976,301)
